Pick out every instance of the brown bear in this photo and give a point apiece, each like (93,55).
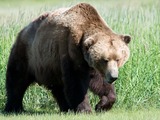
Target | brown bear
(66,52)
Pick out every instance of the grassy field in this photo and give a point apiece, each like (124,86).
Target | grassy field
(112,115)
(138,88)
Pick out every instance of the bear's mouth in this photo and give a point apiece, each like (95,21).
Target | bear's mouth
(110,82)
(109,79)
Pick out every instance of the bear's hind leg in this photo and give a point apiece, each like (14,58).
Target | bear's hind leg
(17,81)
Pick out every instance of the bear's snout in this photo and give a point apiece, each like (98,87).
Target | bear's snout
(112,76)
(112,79)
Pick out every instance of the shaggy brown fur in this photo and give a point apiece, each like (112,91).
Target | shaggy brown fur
(104,90)
(61,50)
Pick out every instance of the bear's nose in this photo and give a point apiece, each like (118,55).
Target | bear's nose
(113,79)
(113,75)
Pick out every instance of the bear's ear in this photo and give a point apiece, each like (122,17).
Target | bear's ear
(89,42)
(126,38)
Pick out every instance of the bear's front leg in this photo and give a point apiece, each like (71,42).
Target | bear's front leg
(105,91)
(76,83)
(84,106)
(75,91)
(106,102)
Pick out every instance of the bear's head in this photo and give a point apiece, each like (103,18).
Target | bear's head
(106,53)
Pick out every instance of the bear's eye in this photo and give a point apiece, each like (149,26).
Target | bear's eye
(117,60)
(105,61)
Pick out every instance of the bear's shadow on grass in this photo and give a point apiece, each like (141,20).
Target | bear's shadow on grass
(34,112)
(30,112)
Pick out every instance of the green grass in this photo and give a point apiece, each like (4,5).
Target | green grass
(112,115)
(138,87)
